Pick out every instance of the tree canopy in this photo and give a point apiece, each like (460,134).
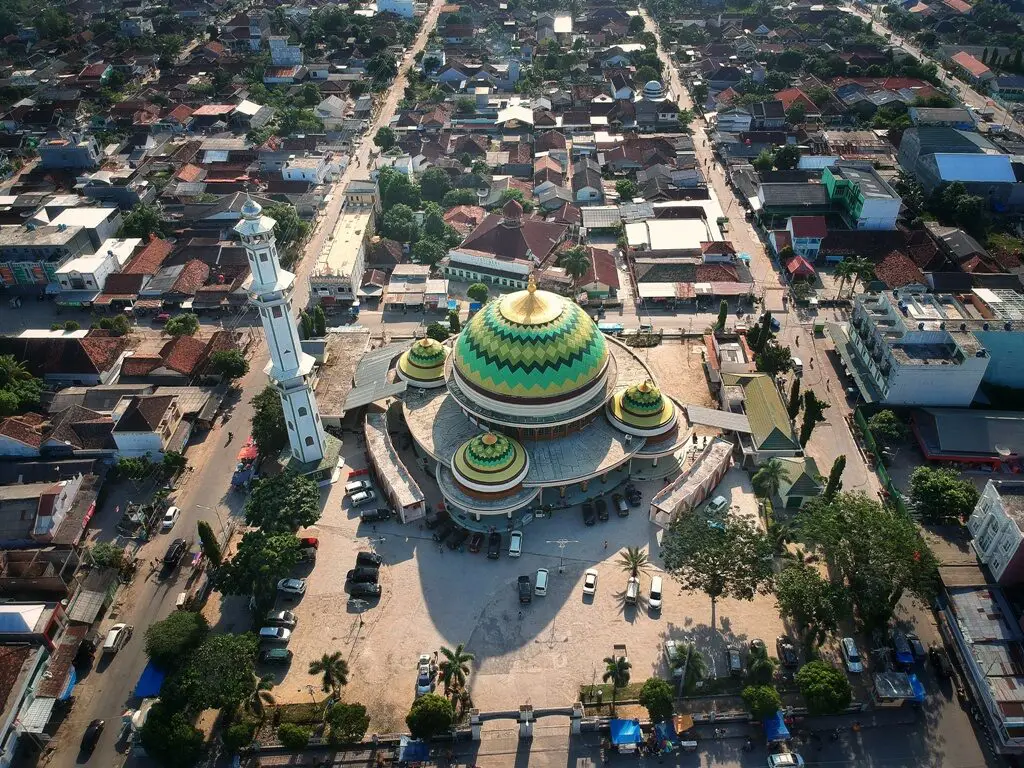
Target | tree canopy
(940,495)
(826,689)
(773,359)
(814,604)
(142,221)
(229,363)
(260,561)
(169,642)
(385,138)
(887,428)
(290,228)
(435,184)
(658,698)
(170,738)
(348,723)
(219,673)
(762,701)
(182,325)
(268,426)
(19,390)
(283,503)
(431,715)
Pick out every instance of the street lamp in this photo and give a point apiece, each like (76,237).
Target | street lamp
(561,550)
(215,511)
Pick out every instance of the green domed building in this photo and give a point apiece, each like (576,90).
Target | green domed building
(423,364)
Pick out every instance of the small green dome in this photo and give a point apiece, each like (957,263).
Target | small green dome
(423,363)
(530,345)
(490,463)
(642,410)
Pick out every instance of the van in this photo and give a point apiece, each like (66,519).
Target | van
(116,637)
(632,590)
(654,601)
(798,366)
(541,587)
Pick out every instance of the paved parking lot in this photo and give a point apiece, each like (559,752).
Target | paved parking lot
(538,653)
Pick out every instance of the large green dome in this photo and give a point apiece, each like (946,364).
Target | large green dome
(530,345)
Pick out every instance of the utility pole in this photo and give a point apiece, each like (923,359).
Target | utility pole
(561,550)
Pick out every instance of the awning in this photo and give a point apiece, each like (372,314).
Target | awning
(412,750)
(72,679)
(76,298)
(34,718)
(775,728)
(150,681)
(625,732)
(918,688)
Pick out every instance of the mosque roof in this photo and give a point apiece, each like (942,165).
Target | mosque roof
(490,463)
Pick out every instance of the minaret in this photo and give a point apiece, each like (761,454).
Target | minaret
(289,368)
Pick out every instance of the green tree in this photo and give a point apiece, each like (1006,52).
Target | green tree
(723,315)
(435,184)
(261,697)
(763,162)
(575,261)
(106,555)
(238,736)
(71,326)
(796,114)
(348,723)
(296,120)
(863,271)
(437,332)
(211,547)
(453,321)
(119,324)
(219,673)
(814,413)
(886,428)
(774,359)
(454,667)
(428,251)
(616,672)
(169,737)
(940,495)
(647,73)
(20,391)
(309,94)
(877,551)
(142,221)
(515,194)
(813,604)
(700,94)
(260,561)
(787,157)
(182,325)
(53,24)
(333,671)
(762,701)
(430,716)
(730,559)
(293,736)
(845,270)
(658,698)
(760,666)
(433,221)
(283,503)
(290,228)
(768,478)
(399,223)
(633,561)
(789,61)
(268,426)
(835,477)
(170,641)
(636,25)
(319,321)
(692,664)
(794,399)
(459,197)
(382,68)
(229,364)
(478,292)
(826,689)
(306,323)
(627,189)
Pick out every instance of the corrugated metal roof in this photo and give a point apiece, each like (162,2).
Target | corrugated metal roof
(974,167)
(769,421)
(710,417)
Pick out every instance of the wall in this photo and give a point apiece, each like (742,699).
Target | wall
(1006,353)
(138,444)
(936,385)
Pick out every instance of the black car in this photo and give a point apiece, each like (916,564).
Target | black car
(494,546)
(940,660)
(375,515)
(92,736)
(443,531)
(371,559)
(458,538)
(276,656)
(602,510)
(786,650)
(589,518)
(175,552)
(525,589)
(621,508)
(435,517)
(633,496)
(362,589)
(362,575)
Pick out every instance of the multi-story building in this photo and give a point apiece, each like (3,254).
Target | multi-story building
(914,349)
(282,54)
(31,255)
(362,193)
(996,534)
(72,151)
(338,272)
(863,197)
(86,275)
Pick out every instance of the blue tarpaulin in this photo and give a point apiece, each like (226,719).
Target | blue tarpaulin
(625,732)
(918,688)
(666,734)
(72,679)
(412,751)
(775,728)
(150,681)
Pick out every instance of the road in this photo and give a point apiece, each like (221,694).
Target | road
(203,495)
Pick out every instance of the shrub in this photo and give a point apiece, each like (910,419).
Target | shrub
(293,737)
(239,735)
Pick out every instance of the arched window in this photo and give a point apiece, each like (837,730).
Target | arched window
(309,441)
(291,426)
(303,411)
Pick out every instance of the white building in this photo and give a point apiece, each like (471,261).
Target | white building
(310,169)
(149,424)
(915,349)
(995,527)
(282,54)
(404,8)
(290,369)
(89,273)
(338,272)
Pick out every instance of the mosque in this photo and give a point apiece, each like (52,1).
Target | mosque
(531,408)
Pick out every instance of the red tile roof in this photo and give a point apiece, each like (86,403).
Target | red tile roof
(193,275)
(181,113)
(791,96)
(809,226)
(93,70)
(897,270)
(782,239)
(716,273)
(971,64)
(958,5)
(104,351)
(148,260)
(602,269)
(718,246)
(213,110)
(190,172)
(26,429)
(183,354)
(140,365)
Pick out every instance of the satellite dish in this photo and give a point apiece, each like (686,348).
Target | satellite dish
(1003,451)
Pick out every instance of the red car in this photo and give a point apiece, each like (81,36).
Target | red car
(162,318)
(476,542)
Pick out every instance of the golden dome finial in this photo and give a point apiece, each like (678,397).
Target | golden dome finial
(531,283)
(489,438)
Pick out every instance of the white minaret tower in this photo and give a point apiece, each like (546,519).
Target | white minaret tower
(289,367)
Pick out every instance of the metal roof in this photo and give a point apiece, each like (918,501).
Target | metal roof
(974,167)
(361,396)
(375,364)
(710,417)
(87,606)
(35,718)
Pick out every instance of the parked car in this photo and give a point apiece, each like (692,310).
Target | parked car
(494,546)
(634,496)
(91,737)
(356,486)
(175,552)
(916,646)
(851,655)
(308,546)
(733,661)
(169,519)
(435,517)
(458,538)
(116,637)
(541,585)
(589,517)
(362,576)
(940,661)
(285,619)
(590,581)
(364,497)
(787,652)
(278,635)
(901,650)
(785,760)
(364,590)
(276,656)
(424,680)
(161,318)
(654,601)
(292,586)
(717,506)
(371,559)
(476,542)
(602,510)
(515,544)
(443,531)
(621,507)
(525,589)
(632,590)
(374,515)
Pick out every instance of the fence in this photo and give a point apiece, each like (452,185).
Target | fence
(895,496)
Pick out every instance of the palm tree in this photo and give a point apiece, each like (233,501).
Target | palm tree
(575,262)
(768,478)
(844,270)
(864,271)
(12,369)
(616,672)
(333,671)
(633,560)
(261,697)
(693,664)
(455,667)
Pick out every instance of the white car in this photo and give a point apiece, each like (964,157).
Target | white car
(515,544)
(170,518)
(785,760)
(851,655)
(275,635)
(357,485)
(362,497)
(590,581)
(292,586)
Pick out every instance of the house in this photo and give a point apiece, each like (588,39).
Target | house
(284,54)
(310,169)
(150,425)
(734,120)
(587,187)
(248,115)
(997,530)
(974,69)
(403,8)
(332,112)
(799,483)
(70,151)
(897,270)
(942,117)
(795,97)
(88,274)
(806,234)
(1008,87)
(767,116)
(620,86)
(771,431)
(601,280)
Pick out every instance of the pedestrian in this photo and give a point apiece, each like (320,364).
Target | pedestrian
(520,613)
(606,543)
